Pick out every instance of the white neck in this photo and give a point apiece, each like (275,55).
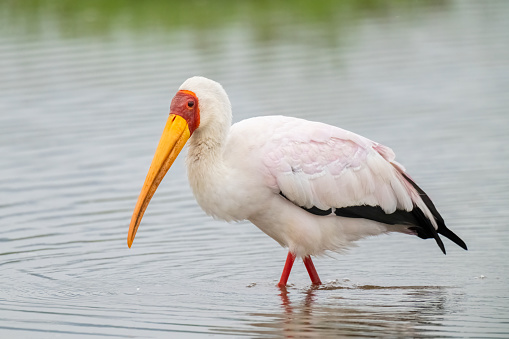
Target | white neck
(206,169)
(204,151)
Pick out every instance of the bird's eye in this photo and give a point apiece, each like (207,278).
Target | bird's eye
(190,104)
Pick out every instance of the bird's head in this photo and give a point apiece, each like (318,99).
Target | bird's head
(201,105)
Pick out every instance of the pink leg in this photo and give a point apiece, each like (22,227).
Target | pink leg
(286,271)
(312,271)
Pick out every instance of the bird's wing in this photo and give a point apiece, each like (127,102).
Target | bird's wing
(327,170)
(319,166)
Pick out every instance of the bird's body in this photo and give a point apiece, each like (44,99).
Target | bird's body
(312,187)
(309,163)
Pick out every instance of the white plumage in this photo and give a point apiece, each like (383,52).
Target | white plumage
(296,180)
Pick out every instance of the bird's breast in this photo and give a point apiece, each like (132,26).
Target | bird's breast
(228,195)
(226,190)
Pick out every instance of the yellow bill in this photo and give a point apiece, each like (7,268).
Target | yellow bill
(175,135)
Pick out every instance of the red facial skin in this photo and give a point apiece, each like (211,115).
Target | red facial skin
(185,104)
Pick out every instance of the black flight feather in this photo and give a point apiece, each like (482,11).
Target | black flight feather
(415,219)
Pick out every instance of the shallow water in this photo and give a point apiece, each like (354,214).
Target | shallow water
(84,95)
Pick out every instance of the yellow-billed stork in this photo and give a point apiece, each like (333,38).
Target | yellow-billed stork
(311,187)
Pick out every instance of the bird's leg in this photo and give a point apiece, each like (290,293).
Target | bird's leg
(288,268)
(312,271)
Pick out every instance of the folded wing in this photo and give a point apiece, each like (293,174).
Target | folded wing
(326,170)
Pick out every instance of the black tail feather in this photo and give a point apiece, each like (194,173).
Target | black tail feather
(442,229)
(451,236)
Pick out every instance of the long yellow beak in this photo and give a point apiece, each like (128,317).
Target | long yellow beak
(175,135)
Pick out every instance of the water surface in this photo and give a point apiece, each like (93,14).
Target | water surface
(84,95)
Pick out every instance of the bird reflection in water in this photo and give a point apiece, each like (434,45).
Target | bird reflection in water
(367,310)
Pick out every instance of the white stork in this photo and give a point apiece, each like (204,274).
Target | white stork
(311,187)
